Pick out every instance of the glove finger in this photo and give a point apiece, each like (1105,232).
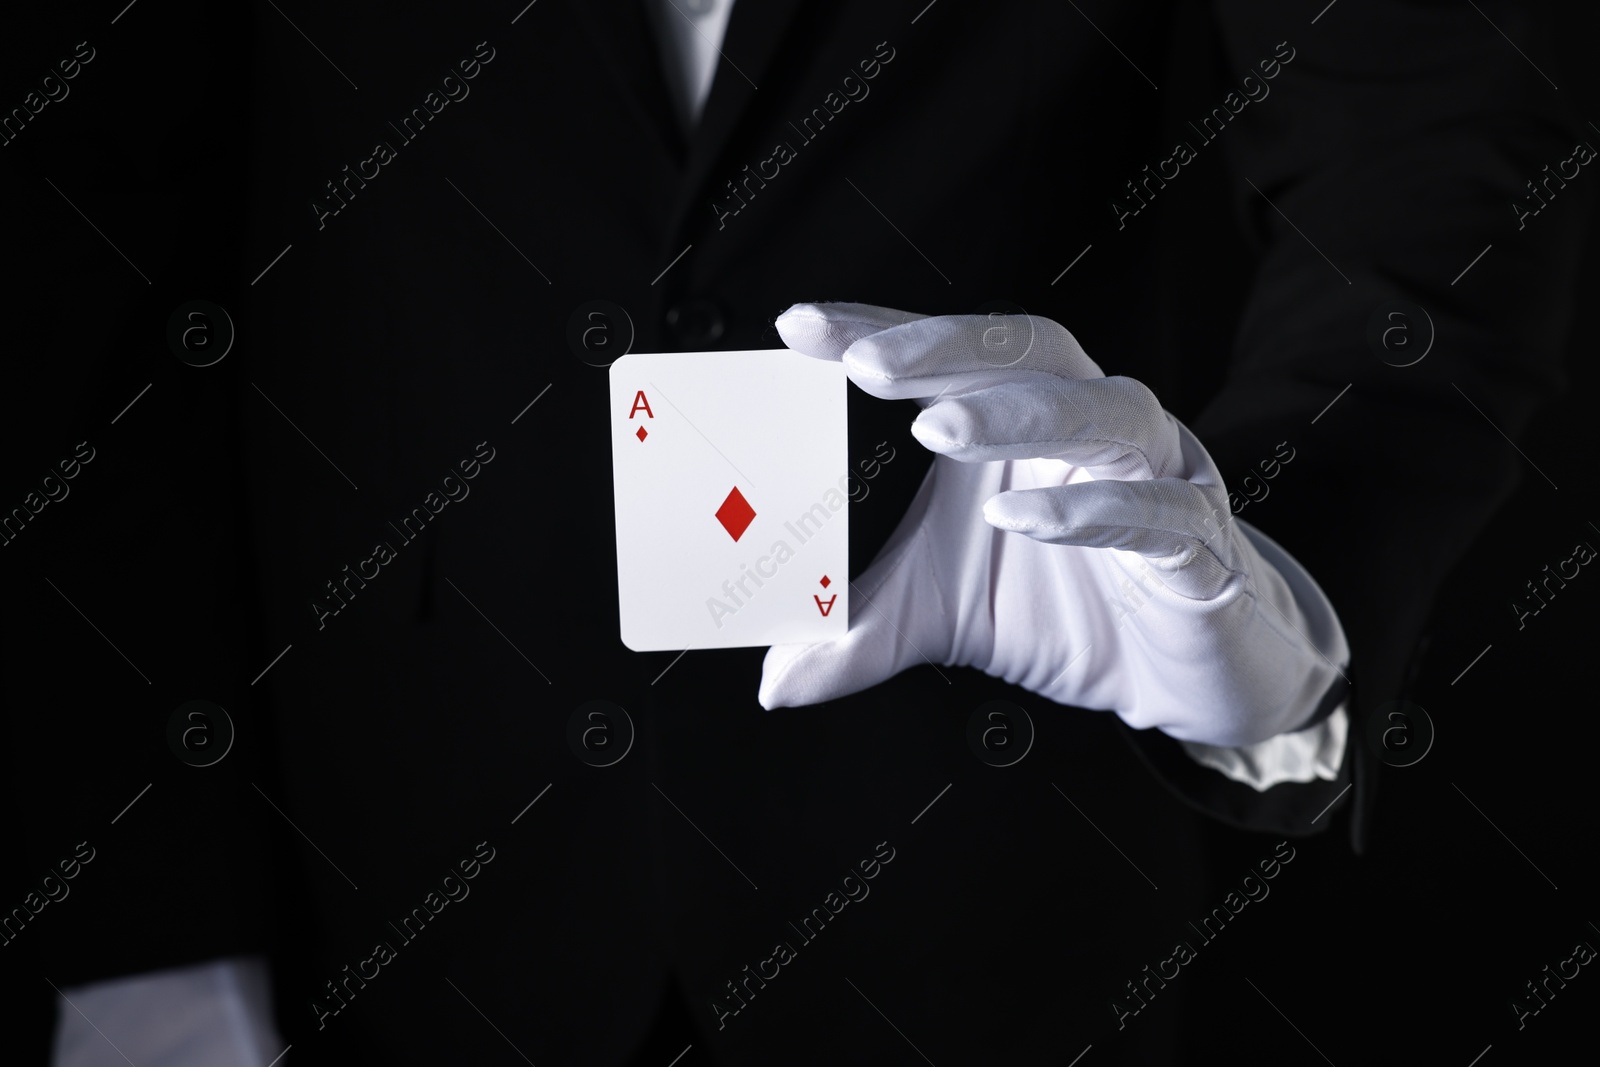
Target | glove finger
(896,621)
(1171,522)
(824,331)
(956,354)
(1115,427)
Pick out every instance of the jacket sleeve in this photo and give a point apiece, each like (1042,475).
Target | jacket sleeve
(1416,189)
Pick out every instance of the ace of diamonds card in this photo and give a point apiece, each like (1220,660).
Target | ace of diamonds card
(731,475)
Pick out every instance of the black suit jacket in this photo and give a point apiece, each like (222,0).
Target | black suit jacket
(420,253)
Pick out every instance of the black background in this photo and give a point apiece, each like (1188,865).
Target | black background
(1410,952)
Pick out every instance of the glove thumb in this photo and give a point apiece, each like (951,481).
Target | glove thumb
(897,620)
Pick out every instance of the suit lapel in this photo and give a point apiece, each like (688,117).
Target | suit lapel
(623,39)
(755,30)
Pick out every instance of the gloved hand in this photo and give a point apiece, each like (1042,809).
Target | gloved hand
(1071,537)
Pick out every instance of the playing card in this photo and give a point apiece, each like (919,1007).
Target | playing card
(732,515)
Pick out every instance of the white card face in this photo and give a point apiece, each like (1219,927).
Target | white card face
(730,474)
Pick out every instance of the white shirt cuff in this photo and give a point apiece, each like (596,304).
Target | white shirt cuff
(1301,756)
(216,1014)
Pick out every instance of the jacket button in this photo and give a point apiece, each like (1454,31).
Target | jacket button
(696,323)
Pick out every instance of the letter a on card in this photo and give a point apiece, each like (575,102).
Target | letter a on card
(641,401)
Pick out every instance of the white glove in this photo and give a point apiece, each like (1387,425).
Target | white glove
(1071,537)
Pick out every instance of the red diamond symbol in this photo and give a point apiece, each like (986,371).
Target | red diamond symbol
(735,514)
(825,582)
(641,435)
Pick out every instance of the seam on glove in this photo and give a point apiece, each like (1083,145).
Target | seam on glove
(1276,621)
(892,560)
(1193,547)
(1192,542)
(1128,446)
(927,552)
